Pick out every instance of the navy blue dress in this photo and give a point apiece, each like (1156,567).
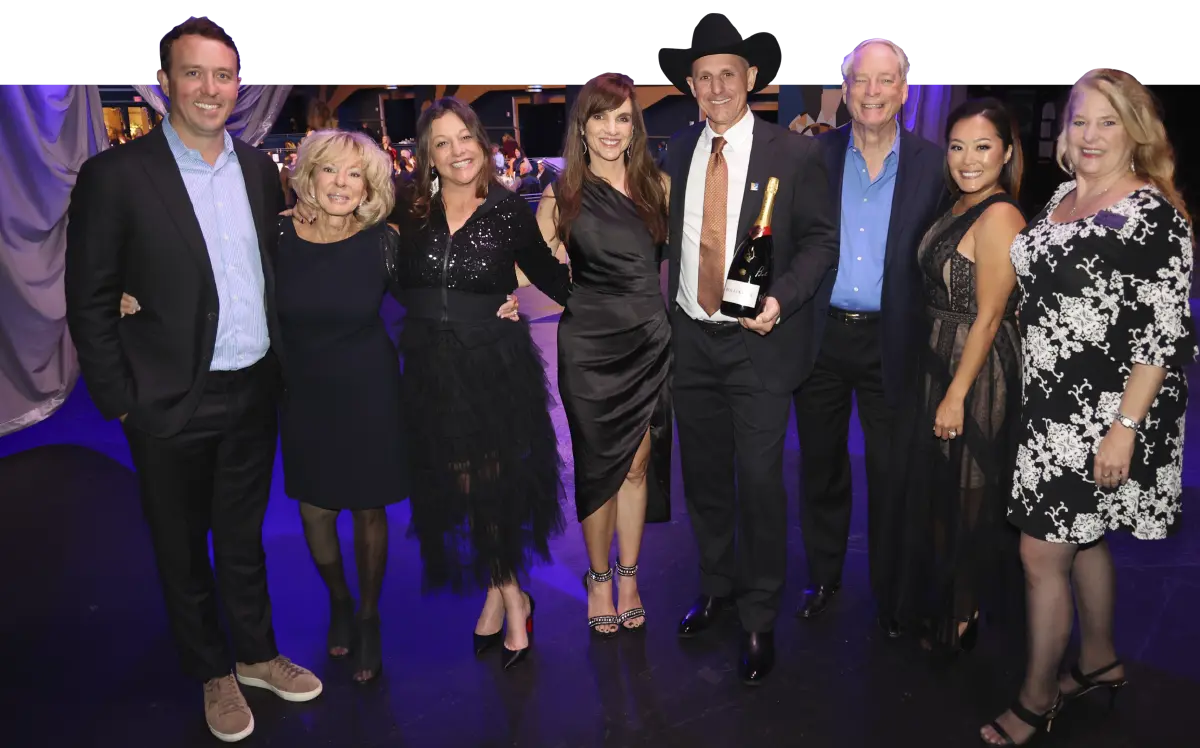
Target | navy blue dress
(341,416)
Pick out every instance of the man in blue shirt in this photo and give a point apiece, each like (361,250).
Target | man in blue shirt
(889,185)
(181,219)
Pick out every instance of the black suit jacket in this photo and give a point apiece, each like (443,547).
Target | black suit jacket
(131,228)
(806,242)
(919,198)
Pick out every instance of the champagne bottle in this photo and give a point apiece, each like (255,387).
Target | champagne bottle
(749,277)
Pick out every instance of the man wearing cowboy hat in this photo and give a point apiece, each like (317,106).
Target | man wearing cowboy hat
(734,379)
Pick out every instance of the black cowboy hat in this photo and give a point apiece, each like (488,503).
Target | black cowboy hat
(715,35)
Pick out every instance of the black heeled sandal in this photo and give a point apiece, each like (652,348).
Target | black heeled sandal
(370,649)
(595,621)
(509,657)
(1088,683)
(341,627)
(1036,721)
(631,571)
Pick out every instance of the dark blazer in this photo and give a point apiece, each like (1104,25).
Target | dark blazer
(920,197)
(806,242)
(131,228)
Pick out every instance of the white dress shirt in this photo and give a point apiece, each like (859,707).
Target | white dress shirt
(738,140)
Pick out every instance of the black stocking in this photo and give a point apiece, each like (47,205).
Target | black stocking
(1049,609)
(370,554)
(320,531)
(1095,589)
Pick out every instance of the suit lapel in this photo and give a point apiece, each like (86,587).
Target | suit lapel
(899,197)
(168,183)
(836,163)
(253,180)
(679,184)
(759,171)
(252,176)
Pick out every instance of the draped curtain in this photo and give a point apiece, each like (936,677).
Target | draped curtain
(928,108)
(253,115)
(46,133)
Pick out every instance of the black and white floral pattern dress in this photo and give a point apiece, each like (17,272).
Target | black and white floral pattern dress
(1099,295)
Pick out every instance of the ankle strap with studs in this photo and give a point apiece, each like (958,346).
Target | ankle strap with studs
(627,571)
(600,578)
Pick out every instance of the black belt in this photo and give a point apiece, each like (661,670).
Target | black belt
(716,328)
(844,315)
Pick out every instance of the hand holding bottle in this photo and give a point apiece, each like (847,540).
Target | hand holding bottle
(766,320)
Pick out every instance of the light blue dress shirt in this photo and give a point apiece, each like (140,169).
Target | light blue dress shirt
(866,214)
(218,194)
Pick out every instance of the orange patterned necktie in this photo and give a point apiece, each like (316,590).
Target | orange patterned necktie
(712,230)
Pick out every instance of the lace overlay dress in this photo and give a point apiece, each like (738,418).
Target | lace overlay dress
(953,508)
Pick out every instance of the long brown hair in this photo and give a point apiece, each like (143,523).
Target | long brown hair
(423,174)
(643,180)
(1141,115)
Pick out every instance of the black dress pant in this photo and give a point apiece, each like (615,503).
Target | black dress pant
(849,365)
(731,434)
(214,475)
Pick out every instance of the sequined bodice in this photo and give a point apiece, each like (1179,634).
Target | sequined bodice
(948,275)
(482,255)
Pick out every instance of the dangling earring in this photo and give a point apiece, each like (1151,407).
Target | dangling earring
(435,185)
(628,148)
(587,157)
(1132,165)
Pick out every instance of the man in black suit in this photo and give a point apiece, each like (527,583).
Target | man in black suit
(734,379)
(183,220)
(889,187)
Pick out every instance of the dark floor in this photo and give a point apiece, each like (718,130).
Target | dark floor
(88,660)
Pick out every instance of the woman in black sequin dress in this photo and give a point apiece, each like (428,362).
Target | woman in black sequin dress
(486,492)
(966,402)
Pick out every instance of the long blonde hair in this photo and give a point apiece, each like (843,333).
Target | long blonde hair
(1141,115)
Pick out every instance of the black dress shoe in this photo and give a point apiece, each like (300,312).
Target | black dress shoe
(703,613)
(890,626)
(816,600)
(757,657)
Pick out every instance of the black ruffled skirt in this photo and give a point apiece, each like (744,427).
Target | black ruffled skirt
(487,493)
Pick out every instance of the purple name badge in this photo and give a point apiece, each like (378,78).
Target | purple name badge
(1110,220)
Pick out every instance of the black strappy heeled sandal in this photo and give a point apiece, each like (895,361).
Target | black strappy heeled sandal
(1088,683)
(595,621)
(630,571)
(341,627)
(1036,721)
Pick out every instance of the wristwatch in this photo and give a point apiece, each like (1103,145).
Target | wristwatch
(1127,422)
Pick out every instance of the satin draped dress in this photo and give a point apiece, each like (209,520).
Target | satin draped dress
(614,354)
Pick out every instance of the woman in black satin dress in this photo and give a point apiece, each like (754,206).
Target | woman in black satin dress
(609,211)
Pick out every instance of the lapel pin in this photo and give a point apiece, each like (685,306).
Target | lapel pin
(754,186)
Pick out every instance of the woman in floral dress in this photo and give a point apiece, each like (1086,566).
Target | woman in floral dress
(1105,276)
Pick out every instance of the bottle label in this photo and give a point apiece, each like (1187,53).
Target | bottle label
(741,293)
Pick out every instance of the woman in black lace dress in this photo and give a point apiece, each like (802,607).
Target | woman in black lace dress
(959,468)
(486,491)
